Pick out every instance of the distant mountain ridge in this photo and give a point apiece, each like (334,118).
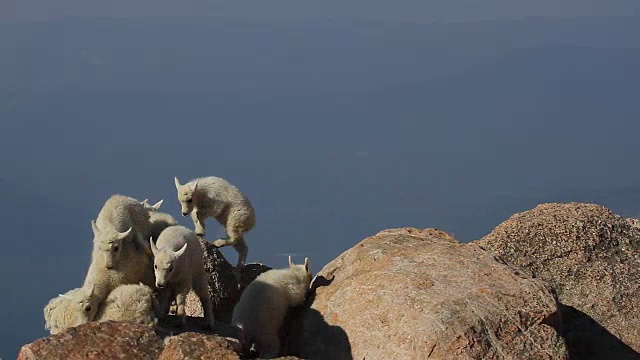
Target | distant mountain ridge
(183,53)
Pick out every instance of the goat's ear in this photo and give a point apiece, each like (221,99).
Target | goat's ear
(92,290)
(175,179)
(306,265)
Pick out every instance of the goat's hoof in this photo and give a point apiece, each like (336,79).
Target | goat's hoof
(219,243)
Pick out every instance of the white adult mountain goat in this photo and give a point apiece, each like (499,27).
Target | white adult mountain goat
(179,268)
(121,218)
(263,305)
(216,197)
(118,256)
(132,303)
(73,308)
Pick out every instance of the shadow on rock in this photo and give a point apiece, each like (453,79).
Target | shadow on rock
(307,335)
(586,339)
(168,327)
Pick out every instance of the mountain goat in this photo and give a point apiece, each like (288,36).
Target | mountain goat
(133,265)
(216,197)
(179,267)
(263,305)
(73,308)
(122,218)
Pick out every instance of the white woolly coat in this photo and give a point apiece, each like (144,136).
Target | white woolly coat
(216,197)
(263,305)
(122,212)
(135,267)
(188,270)
(132,303)
(69,310)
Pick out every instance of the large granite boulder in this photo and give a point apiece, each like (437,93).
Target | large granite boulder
(416,294)
(591,256)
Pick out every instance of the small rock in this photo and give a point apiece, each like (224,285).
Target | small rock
(189,345)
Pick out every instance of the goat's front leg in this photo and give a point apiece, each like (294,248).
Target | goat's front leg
(198,222)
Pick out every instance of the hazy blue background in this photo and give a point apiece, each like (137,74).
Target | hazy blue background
(338,119)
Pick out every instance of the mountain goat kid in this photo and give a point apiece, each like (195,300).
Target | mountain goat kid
(179,267)
(263,305)
(132,303)
(216,197)
(73,308)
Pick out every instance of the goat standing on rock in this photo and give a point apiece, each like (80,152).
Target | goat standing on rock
(179,267)
(263,305)
(215,197)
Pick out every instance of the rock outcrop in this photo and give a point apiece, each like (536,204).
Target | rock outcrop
(420,294)
(99,341)
(122,340)
(592,258)
(224,289)
(416,294)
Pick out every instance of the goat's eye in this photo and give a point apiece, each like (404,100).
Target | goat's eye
(87,308)
(155,267)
